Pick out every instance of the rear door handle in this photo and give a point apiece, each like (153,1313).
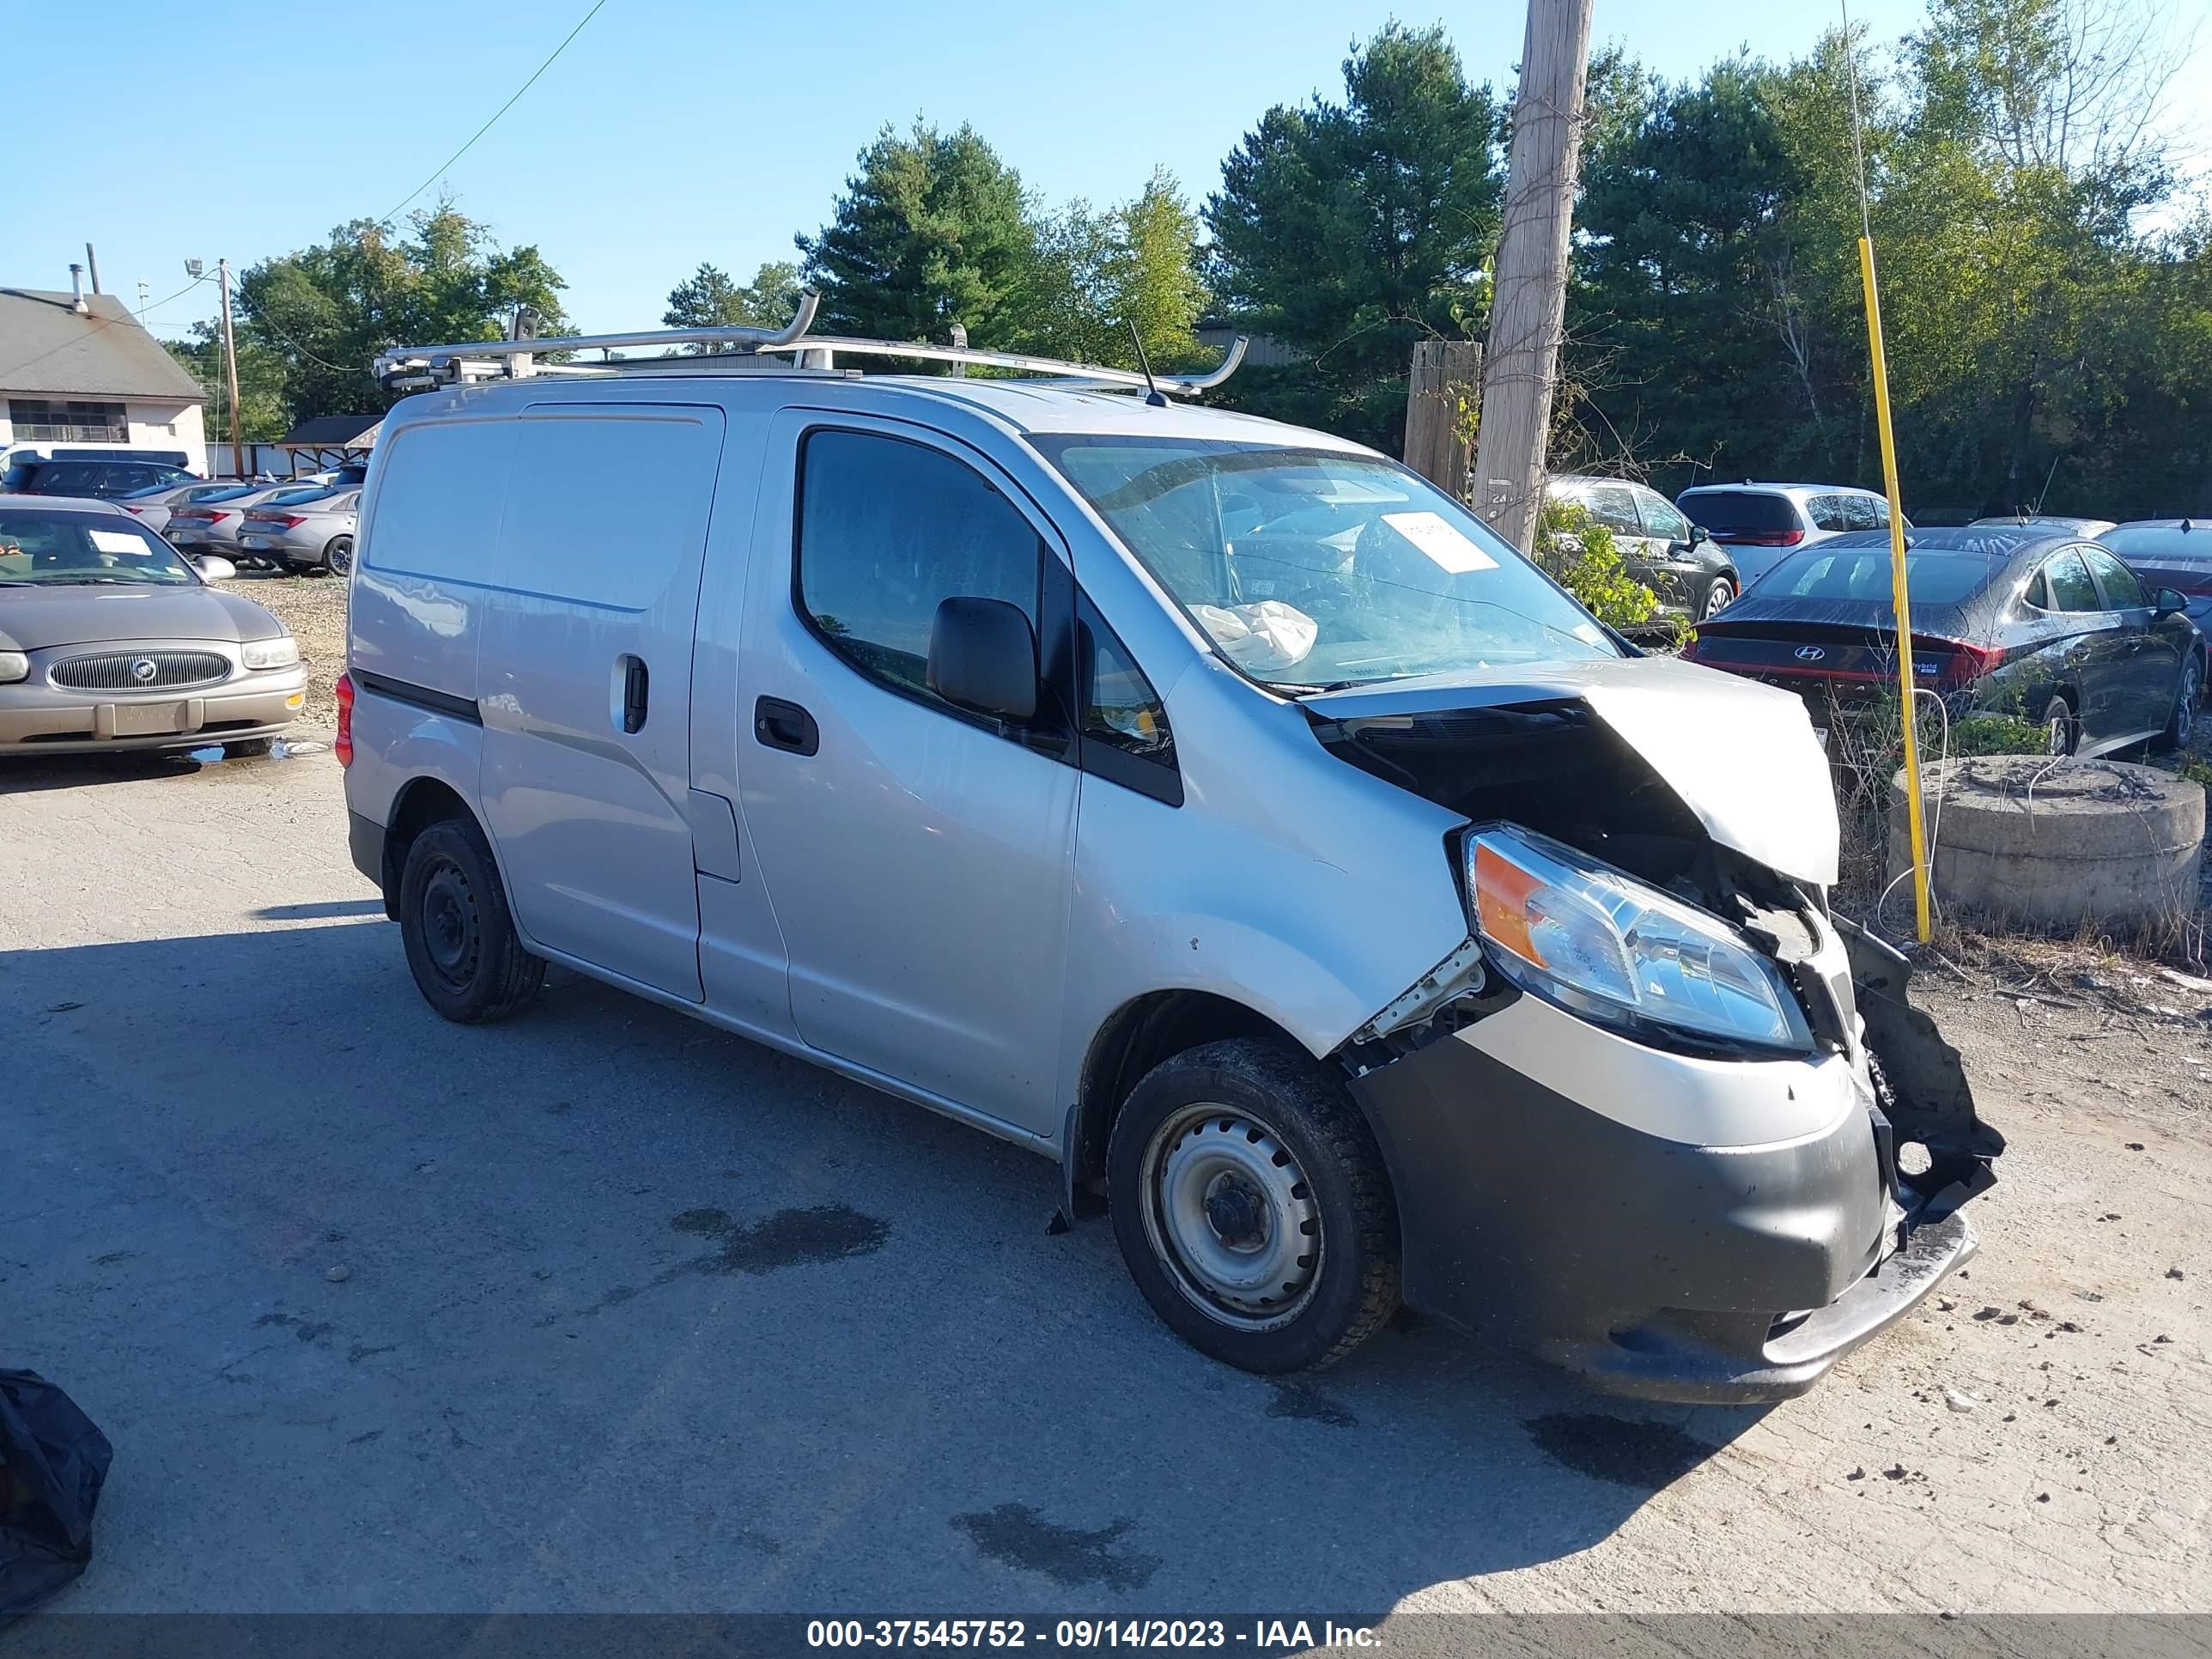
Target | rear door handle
(780,724)
(637,689)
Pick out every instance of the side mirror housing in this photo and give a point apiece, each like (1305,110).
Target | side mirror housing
(2169,601)
(982,655)
(1700,535)
(213,567)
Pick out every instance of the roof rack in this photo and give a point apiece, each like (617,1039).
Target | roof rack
(415,368)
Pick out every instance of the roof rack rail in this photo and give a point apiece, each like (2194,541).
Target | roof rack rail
(414,368)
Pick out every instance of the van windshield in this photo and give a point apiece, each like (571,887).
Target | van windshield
(1311,568)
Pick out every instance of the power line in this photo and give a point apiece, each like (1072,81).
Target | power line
(495,114)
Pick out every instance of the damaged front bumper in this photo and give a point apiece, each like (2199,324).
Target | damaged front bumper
(1674,1227)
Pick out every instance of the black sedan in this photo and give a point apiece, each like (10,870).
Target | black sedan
(2008,619)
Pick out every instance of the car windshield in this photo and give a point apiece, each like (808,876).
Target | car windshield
(68,549)
(1310,568)
(1932,575)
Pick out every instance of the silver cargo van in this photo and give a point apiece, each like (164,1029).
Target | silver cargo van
(1211,805)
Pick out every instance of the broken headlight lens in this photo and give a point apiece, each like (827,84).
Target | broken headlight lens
(1607,946)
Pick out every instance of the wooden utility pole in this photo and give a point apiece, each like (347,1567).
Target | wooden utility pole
(1445,381)
(1528,286)
(230,368)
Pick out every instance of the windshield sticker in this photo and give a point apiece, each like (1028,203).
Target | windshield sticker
(1446,545)
(120,541)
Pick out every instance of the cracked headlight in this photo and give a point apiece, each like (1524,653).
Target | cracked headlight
(280,653)
(1607,946)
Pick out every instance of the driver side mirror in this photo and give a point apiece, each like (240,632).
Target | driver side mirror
(1699,535)
(982,656)
(2167,602)
(213,569)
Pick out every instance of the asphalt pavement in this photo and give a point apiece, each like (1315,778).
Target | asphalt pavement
(603,1310)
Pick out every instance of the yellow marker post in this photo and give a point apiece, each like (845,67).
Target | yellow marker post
(1905,672)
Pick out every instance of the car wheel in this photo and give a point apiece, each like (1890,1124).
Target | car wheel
(2062,727)
(459,935)
(1252,1207)
(2181,724)
(1718,597)
(339,556)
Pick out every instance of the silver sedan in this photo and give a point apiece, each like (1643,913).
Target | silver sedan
(302,535)
(212,524)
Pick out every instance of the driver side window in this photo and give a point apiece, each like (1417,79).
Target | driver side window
(887,530)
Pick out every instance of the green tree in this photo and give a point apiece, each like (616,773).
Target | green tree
(1348,230)
(263,416)
(708,299)
(324,312)
(1095,276)
(933,229)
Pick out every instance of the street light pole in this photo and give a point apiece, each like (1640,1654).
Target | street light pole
(230,365)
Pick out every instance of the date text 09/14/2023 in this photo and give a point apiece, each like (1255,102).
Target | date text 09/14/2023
(1255,1635)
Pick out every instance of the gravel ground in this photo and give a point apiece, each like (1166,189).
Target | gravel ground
(314,609)
(637,1316)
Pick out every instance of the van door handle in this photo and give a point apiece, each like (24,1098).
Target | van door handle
(637,686)
(781,725)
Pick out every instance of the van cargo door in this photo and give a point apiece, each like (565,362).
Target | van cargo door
(586,682)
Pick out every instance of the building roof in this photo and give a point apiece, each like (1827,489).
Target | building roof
(47,348)
(332,432)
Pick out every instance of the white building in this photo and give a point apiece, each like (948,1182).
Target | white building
(77,372)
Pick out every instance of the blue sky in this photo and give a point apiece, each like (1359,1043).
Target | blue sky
(673,132)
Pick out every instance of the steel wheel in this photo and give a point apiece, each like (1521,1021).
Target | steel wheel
(451,936)
(1231,1214)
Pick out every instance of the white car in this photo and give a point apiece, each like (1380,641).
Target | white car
(1759,523)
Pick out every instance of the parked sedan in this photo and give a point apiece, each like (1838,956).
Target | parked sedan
(110,639)
(1692,577)
(316,534)
(211,525)
(2175,553)
(2010,619)
(152,507)
(104,480)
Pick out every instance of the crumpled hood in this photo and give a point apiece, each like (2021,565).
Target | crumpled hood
(1740,756)
(39,618)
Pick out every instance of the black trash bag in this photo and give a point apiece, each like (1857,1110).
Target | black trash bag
(52,1461)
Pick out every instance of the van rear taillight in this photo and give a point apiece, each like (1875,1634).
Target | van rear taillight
(1759,538)
(341,745)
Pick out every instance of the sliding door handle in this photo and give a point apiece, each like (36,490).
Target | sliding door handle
(780,724)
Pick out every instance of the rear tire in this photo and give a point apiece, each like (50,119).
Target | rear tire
(1719,596)
(2181,724)
(1252,1207)
(462,947)
(2062,727)
(339,556)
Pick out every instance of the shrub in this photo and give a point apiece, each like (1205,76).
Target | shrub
(1581,554)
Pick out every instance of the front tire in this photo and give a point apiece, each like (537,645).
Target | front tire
(462,947)
(1252,1207)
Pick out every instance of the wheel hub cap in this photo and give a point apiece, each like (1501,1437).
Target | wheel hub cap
(1232,1217)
